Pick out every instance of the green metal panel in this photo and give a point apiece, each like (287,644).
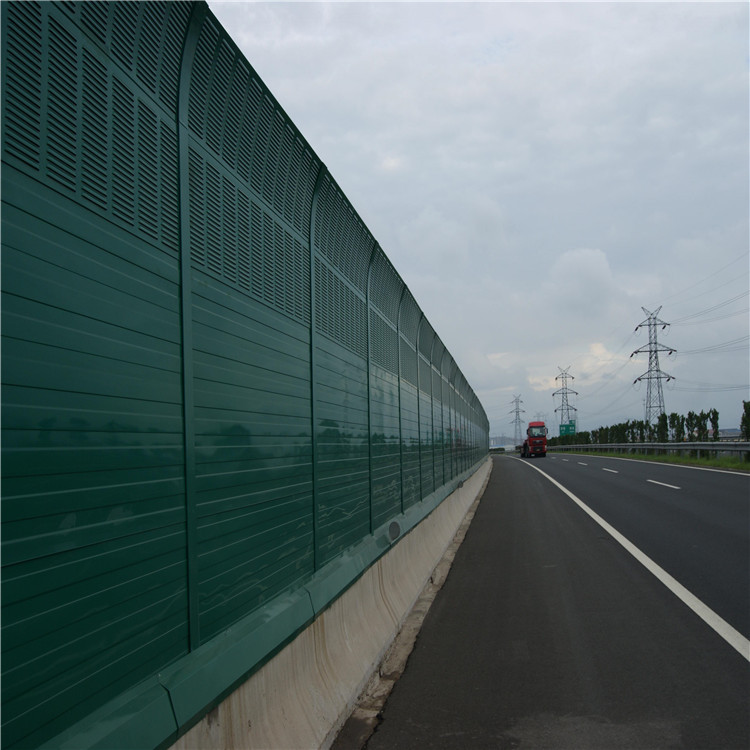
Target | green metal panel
(425,341)
(386,448)
(452,431)
(93,546)
(410,475)
(197,17)
(409,320)
(137,718)
(217,391)
(385,292)
(251,178)
(439,430)
(341,253)
(94,590)
(342,452)
(253,454)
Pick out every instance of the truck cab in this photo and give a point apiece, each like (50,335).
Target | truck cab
(536,441)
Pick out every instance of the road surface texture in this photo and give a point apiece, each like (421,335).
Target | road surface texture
(693,522)
(548,634)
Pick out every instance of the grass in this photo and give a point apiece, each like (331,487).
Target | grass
(735,463)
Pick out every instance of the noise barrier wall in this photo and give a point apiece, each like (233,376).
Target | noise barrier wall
(221,404)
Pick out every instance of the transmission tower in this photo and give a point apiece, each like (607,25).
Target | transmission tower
(654,375)
(517,411)
(565,408)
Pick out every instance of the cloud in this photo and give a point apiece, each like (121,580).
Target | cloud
(537,172)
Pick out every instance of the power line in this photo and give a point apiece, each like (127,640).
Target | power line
(726,316)
(611,404)
(605,382)
(734,345)
(713,308)
(688,386)
(680,293)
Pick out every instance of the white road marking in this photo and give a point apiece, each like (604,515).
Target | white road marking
(565,459)
(664,484)
(677,466)
(611,471)
(582,464)
(733,637)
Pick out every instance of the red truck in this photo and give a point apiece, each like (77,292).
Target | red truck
(536,441)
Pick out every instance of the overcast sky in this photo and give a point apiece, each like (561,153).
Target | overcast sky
(537,173)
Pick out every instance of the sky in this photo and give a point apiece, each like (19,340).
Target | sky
(543,176)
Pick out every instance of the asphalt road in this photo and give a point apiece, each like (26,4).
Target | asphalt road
(694,523)
(549,634)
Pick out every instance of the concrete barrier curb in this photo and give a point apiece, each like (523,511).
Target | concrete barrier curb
(301,697)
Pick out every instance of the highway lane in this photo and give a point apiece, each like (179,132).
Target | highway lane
(692,522)
(548,634)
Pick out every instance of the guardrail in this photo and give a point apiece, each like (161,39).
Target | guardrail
(712,448)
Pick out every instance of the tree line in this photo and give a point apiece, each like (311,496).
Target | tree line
(698,427)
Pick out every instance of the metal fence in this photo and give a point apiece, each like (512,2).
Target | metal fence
(218,394)
(715,448)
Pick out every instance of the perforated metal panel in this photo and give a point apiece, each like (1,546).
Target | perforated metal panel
(341,239)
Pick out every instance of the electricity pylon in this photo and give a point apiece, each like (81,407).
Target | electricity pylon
(565,408)
(517,411)
(654,375)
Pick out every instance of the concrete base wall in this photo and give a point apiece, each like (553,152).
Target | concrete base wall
(303,695)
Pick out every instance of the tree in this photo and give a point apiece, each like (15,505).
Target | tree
(691,422)
(642,428)
(745,421)
(662,428)
(677,426)
(713,415)
(702,427)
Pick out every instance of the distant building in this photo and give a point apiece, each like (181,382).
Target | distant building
(730,434)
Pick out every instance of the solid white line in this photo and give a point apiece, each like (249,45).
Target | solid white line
(664,484)
(611,471)
(733,637)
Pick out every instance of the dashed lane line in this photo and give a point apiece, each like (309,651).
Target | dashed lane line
(677,466)
(733,637)
(611,471)
(664,484)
